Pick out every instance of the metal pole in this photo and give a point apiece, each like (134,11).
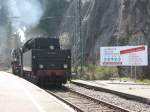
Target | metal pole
(80,31)
(131,71)
(135,74)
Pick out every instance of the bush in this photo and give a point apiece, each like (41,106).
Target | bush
(95,72)
(105,73)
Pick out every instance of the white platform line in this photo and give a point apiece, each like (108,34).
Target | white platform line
(70,109)
(36,104)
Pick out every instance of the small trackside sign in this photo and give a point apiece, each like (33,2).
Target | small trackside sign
(124,56)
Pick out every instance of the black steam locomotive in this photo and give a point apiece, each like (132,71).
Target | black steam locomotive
(42,61)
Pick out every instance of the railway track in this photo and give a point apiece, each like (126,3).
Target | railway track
(121,94)
(84,103)
(110,97)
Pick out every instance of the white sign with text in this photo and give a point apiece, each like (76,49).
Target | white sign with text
(124,56)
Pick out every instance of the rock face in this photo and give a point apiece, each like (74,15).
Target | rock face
(110,23)
(117,22)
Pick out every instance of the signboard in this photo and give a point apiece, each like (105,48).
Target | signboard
(124,56)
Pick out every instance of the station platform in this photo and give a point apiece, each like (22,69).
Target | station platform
(19,95)
(131,88)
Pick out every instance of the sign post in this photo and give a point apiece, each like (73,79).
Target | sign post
(131,71)
(135,74)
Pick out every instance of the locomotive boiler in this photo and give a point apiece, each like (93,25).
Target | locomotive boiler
(16,61)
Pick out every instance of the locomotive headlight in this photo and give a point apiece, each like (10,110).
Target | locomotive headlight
(15,59)
(51,47)
(41,66)
(33,57)
(65,66)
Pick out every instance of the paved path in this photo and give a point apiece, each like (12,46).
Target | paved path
(19,95)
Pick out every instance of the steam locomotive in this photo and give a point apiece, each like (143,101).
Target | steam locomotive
(42,61)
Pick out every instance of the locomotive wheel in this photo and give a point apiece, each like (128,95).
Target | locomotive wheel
(40,75)
(13,70)
(59,84)
(41,82)
(36,80)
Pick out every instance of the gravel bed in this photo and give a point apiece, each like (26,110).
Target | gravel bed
(85,104)
(114,99)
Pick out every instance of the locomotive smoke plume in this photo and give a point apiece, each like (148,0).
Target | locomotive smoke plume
(15,17)
(24,12)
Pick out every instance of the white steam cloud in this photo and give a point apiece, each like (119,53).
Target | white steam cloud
(24,12)
(22,34)
(16,16)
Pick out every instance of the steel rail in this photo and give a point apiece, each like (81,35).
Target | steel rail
(67,102)
(121,94)
(96,101)
(100,101)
